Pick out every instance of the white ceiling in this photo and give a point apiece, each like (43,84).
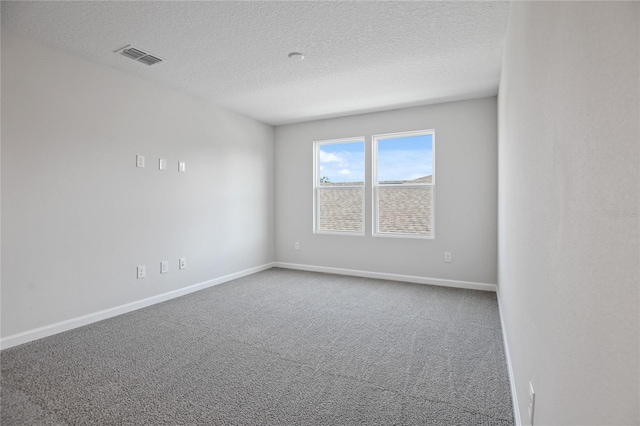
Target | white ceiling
(359,56)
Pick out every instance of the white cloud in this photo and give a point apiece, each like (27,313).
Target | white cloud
(329,157)
(344,166)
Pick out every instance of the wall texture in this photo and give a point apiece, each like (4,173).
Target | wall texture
(466,195)
(568,214)
(78,216)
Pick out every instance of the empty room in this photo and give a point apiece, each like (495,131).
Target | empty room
(320,213)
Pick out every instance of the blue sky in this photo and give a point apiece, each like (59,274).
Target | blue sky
(399,159)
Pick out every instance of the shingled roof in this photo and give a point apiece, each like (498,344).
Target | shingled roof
(401,210)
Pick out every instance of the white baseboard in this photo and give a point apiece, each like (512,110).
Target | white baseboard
(59,327)
(507,353)
(385,276)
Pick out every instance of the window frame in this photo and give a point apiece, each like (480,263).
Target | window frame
(375,185)
(317,187)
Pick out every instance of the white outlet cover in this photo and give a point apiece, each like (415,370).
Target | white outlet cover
(140,271)
(182,166)
(163,164)
(139,160)
(182,263)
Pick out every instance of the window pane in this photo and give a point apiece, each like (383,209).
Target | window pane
(405,210)
(341,163)
(405,159)
(340,209)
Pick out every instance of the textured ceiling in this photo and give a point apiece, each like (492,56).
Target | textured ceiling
(359,56)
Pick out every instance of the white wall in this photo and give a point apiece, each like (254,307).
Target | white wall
(78,216)
(466,195)
(568,152)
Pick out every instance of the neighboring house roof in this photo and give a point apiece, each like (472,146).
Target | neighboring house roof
(401,210)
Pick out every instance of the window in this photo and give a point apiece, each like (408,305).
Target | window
(339,186)
(404,184)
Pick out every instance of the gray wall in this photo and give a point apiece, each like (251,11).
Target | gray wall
(466,195)
(568,149)
(78,216)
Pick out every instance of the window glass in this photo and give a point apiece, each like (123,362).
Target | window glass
(403,187)
(405,159)
(339,186)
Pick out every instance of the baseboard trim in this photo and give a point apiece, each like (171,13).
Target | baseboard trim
(507,353)
(59,327)
(385,276)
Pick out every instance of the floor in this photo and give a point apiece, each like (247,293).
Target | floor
(277,347)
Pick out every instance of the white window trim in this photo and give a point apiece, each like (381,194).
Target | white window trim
(375,185)
(316,186)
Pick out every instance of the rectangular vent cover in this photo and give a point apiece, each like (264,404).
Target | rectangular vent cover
(139,55)
(149,60)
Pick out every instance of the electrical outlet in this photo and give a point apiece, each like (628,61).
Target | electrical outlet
(141,272)
(447,256)
(164,267)
(182,263)
(139,160)
(163,164)
(296,246)
(182,166)
(532,402)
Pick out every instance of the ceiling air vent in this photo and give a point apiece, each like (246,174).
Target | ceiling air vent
(149,60)
(138,55)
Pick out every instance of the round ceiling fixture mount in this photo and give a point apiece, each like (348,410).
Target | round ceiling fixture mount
(296,56)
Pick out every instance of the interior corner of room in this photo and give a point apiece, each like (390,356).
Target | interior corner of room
(127,183)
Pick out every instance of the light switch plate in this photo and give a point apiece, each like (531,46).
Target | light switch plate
(164,267)
(163,164)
